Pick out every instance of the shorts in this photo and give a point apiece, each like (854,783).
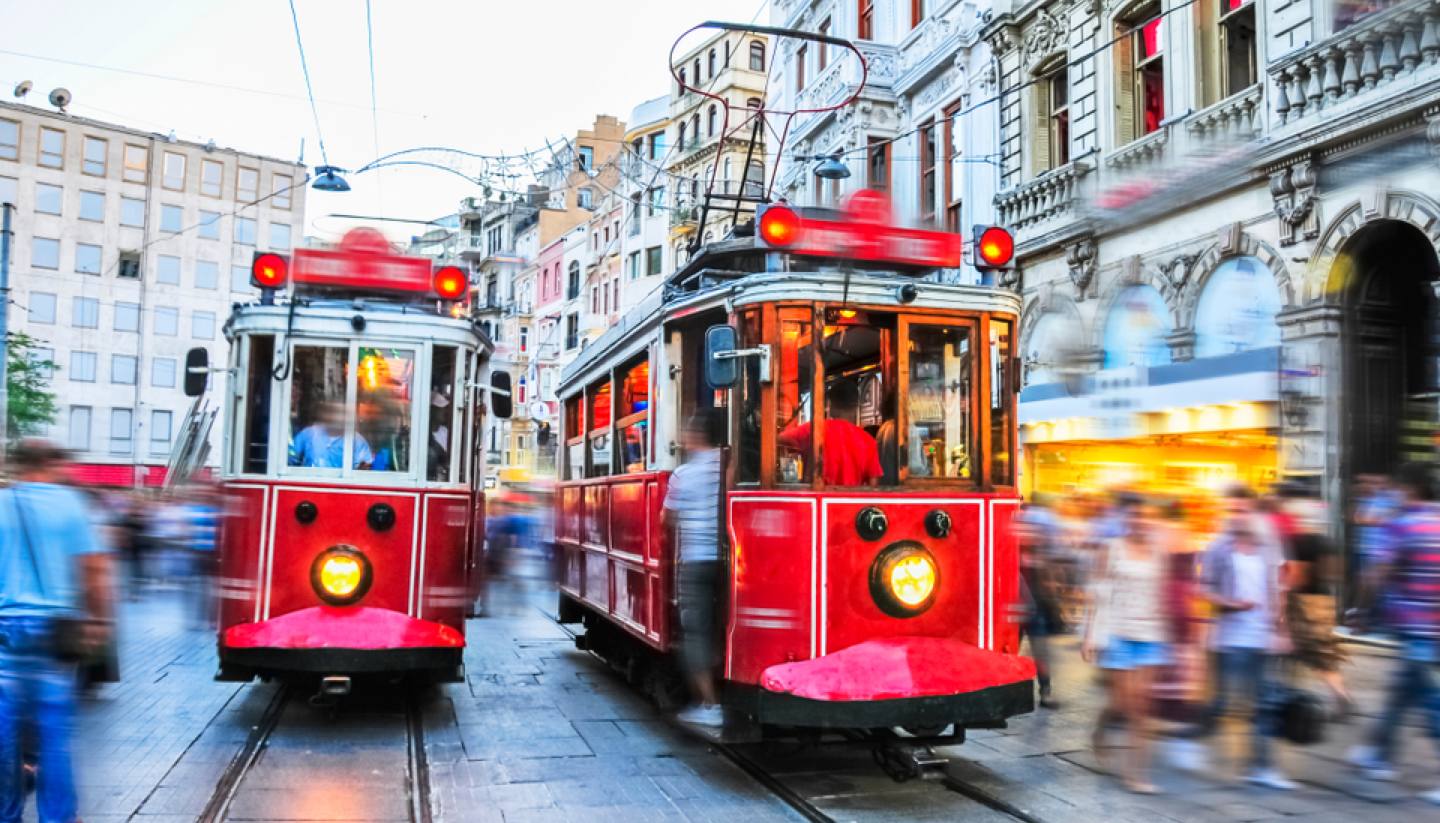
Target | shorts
(1126,655)
(697,615)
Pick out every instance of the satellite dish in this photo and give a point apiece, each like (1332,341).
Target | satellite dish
(60,98)
(23,88)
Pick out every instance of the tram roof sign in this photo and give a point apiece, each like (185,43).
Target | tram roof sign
(860,230)
(364,261)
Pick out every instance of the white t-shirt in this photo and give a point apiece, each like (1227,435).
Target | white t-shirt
(1249,629)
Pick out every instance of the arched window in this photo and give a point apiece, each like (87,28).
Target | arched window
(1136,328)
(681,141)
(727,54)
(712,117)
(755,179)
(682,82)
(698,75)
(753,102)
(757,55)
(712,62)
(1237,309)
(1052,337)
(695,126)
(572,290)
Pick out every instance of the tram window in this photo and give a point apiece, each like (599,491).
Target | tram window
(748,470)
(937,403)
(853,349)
(385,382)
(633,416)
(598,437)
(254,407)
(574,439)
(442,413)
(1001,399)
(471,418)
(796,408)
(319,376)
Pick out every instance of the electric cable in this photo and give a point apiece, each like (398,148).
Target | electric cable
(309,90)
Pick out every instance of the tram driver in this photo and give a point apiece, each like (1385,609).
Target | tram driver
(321,445)
(852,457)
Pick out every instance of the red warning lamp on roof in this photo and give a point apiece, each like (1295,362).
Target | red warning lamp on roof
(779,226)
(994,248)
(451,283)
(269,270)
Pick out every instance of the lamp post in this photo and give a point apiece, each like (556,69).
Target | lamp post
(6,209)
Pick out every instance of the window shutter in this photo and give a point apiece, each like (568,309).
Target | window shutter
(1040,132)
(1124,52)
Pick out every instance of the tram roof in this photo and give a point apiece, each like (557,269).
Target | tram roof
(335,319)
(707,287)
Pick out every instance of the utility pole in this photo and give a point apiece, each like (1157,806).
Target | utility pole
(5,211)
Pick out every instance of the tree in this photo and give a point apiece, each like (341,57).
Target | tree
(31,403)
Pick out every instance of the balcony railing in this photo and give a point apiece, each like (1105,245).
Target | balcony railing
(1237,117)
(1052,194)
(1139,153)
(1389,47)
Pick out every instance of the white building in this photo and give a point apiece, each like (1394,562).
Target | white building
(129,249)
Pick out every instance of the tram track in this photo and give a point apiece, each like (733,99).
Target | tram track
(234,775)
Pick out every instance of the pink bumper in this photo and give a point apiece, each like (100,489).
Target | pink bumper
(355,627)
(896,668)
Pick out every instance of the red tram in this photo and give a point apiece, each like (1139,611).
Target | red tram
(352,472)
(862,608)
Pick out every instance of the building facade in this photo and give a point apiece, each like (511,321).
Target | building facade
(129,249)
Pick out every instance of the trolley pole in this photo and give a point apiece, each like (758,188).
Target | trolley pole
(5,211)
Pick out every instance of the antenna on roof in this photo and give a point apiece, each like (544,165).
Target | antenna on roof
(60,98)
(23,88)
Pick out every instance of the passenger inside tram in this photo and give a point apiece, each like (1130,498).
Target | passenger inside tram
(851,456)
(321,445)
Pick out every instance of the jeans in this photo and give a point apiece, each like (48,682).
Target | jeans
(1243,675)
(37,692)
(1412,684)
(698,586)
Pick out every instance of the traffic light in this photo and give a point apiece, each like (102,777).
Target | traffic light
(993,249)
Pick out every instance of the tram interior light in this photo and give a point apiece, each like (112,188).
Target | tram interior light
(779,226)
(269,270)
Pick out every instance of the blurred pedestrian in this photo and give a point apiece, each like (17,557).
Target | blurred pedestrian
(1039,533)
(1127,630)
(1311,605)
(55,608)
(134,543)
(692,508)
(1242,576)
(1413,572)
(1377,502)
(203,535)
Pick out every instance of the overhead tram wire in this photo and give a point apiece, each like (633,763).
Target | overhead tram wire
(309,89)
(374,105)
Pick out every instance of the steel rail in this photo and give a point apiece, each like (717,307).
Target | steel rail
(240,765)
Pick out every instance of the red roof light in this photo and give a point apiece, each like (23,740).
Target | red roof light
(450,283)
(996,246)
(269,271)
(779,226)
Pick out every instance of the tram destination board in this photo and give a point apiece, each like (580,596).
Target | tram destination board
(861,230)
(362,261)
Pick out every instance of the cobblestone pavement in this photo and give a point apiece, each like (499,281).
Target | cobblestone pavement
(543,732)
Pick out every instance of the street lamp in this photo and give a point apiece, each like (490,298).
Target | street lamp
(327,178)
(830,167)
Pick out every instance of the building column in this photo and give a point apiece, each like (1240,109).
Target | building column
(1311,429)
(1182,345)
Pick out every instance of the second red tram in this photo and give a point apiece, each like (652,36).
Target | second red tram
(352,472)
(870,606)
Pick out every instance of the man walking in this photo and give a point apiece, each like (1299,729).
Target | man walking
(692,506)
(55,606)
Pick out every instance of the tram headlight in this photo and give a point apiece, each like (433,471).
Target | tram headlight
(340,575)
(904,579)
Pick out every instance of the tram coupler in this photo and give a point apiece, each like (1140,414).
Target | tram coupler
(906,762)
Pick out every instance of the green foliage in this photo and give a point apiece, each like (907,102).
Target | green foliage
(31,403)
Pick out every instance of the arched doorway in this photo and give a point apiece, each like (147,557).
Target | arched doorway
(1387,271)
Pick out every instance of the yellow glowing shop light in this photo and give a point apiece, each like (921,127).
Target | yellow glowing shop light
(340,575)
(904,579)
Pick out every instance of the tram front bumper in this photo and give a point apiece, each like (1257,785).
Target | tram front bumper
(341,640)
(897,681)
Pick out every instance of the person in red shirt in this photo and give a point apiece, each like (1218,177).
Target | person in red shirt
(849,455)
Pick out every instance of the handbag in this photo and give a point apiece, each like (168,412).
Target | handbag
(1300,717)
(65,635)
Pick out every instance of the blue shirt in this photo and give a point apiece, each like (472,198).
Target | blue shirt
(204,527)
(314,447)
(59,532)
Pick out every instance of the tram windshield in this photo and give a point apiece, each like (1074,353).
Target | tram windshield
(370,432)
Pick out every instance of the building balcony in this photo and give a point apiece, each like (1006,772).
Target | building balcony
(1366,64)
(1236,118)
(684,219)
(490,304)
(1051,196)
(1138,154)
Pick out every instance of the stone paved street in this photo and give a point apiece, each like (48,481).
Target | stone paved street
(543,732)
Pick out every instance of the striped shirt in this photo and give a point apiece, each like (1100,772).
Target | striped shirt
(1415,581)
(694,496)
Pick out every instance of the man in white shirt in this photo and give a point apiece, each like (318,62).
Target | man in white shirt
(692,507)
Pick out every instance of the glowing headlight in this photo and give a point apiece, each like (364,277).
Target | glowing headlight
(340,575)
(904,579)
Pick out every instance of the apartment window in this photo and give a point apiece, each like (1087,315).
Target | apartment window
(697,71)
(594,300)
(866,28)
(572,331)
(79,437)
(137,163)
(122,431)
(82,366)
(49,199)
(713,116)
(653,261)
(212,177)
(1141,84)
(160,422)
(174,171)
(92,206)
(800,60)
(245,231)
(927,173)
(167,321)
(822,50)
(281,188)
(279,237)
(52,148)
(632,265)
(917,12)
(757,55)
(656,201)
(167,270)
(209,225)
(9,140)
(45,253)
(202,325)
(586,159)
(129,267)
(712,62)
(93,163)
(680,140)
(727,54)
(41,308)
(9,190)
(1051,136)
(162,372)
(247,185)
(524,339)
(43,359)
(585,198)
(1237,45)
(239,278)
(127,317)
(695,128)
(123,368)
(172,219)
(207,274)
(87,258)
(657,145)
(877,161)
(682,81)
(85,313)
(132,212)
(954,160)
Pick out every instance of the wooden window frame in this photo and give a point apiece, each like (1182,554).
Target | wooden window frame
(882,146)
(1223,23)
(822,49)
(757,49)
(40,148)
(206,162)
(104,155)
(19,139)
(126,168)
(865,20)
(801,56)
(952,199)
(917,13)
(185,170)
(240,190)
(927,154)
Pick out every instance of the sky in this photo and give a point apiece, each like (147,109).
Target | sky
(478,75)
